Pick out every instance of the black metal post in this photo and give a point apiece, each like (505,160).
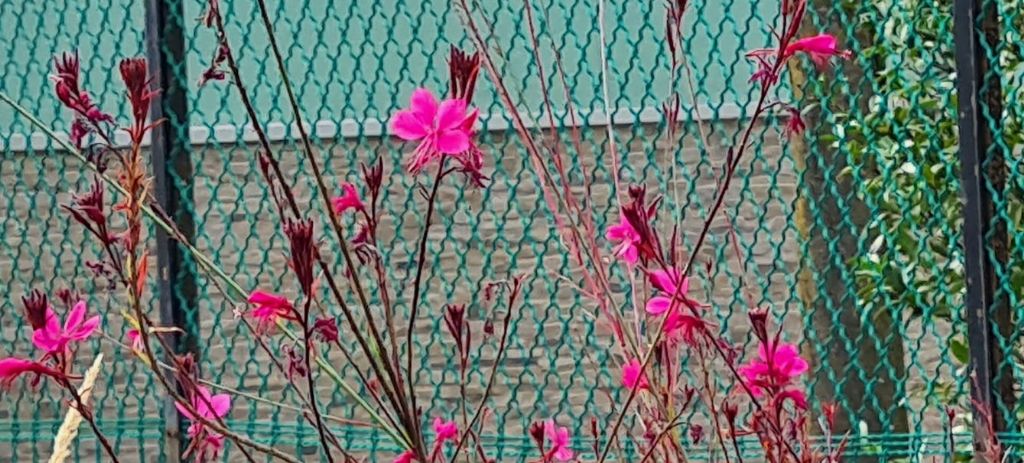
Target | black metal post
(976,30)
(172,172)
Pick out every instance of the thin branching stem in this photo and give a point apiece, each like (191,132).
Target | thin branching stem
(392,391)
(237,293)
(417,281)
(384,359)
(502,344)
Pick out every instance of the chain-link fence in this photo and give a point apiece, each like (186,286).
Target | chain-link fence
(854,234)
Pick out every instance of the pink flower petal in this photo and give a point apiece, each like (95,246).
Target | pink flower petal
(11,368)
(86,329)
(667,281)
(468,125)
(52,322)
(221,404)
(406,457)
(658,305)
(183,410)
(423,105)
(451,114)
(633,375)
(821,43)
(407,126)
(445,430)
(75,316)
(452,142)
(210,406)
(263,298)
(630,254)
(44,340)
(564,454)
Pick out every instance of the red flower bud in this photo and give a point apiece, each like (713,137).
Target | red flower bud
(463,69)
(696,433)
(35,305)
(135,73)
(759,323)
(326,330)
(537,433)
(303,252)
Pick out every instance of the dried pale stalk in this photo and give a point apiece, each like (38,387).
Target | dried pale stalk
(69,428)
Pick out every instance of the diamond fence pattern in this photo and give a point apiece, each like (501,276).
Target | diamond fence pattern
(852,234)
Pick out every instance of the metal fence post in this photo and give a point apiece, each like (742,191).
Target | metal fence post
(165,51)
(976,31)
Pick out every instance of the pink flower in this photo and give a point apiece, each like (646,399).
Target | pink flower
(443,128)
(633,375)
(206,444)
(348,200)
(134,340)
(559,437)
(11,368)
(628,240)
(680,326)
(794,122)
(206,405)
(774,370)
(819,48)
(405,457)
(673,285)
(268,308)
(54,339)
(445,431)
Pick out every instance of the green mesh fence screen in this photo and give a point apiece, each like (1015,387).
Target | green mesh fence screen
(853,235)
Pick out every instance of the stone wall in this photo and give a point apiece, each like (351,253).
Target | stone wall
(557,363)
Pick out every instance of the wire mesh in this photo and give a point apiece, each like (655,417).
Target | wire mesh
(851,235)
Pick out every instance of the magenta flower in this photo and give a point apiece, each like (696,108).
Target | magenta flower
(206,405)
(206,444)
(794,122)
(445,430)
(633,375)
(11,368)
(268,308)
(775,370)
(680,326)
(559,437)
(672,284)
(819,48)
(53,339)
(405,457)
(134,339)
(443,128)
(348,200)
(627,238)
